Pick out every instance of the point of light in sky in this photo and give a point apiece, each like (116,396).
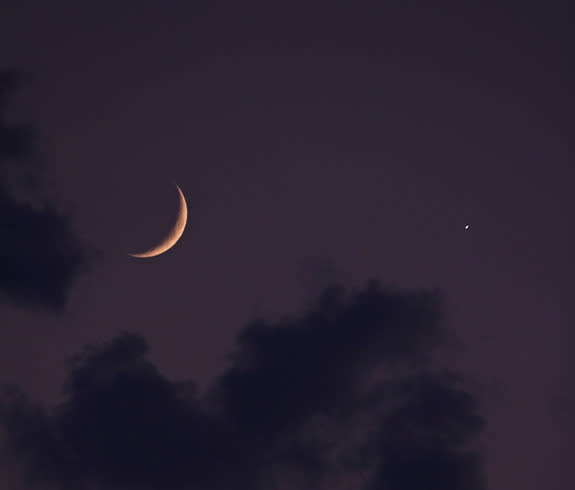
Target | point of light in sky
(467,227)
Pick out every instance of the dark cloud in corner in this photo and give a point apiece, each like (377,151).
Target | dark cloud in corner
(40,256)
(343,393)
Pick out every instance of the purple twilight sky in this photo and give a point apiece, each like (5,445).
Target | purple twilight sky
(371,135)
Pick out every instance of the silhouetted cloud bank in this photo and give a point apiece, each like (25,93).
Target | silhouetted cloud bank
(40,256)
(343,394)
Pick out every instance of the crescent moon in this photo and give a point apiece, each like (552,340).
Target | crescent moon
(175,233)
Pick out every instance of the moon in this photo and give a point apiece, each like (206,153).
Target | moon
(175,233)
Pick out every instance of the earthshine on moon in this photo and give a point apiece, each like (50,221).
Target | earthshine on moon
(175,234)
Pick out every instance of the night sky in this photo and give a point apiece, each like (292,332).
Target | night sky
(318,147)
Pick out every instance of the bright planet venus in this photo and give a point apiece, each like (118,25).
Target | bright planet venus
(173,236)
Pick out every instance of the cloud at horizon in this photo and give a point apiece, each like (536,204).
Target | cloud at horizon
(345,391)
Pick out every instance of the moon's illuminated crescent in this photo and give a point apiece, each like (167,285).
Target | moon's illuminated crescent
(175,233)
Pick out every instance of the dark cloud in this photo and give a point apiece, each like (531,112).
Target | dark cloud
(345,391)
(310,364)
(40,256)
(426,439)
